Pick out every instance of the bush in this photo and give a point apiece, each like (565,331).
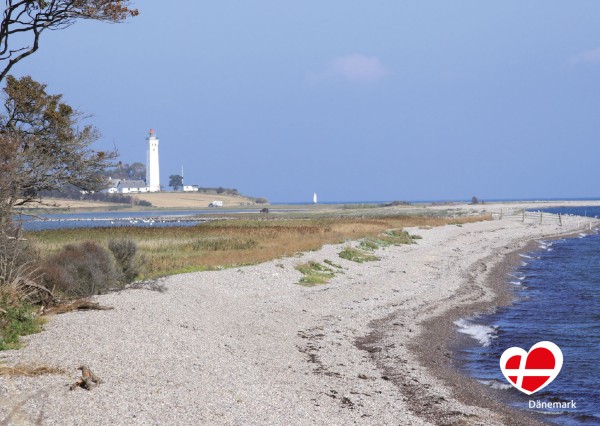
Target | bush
(20,277)
(125,252)
(396,204)
(261,200)
(82,270)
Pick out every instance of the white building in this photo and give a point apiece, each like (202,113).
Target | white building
(190,188)
(132,187)
(152,172)
(113,186)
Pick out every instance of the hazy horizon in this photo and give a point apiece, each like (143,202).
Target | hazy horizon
(386,101)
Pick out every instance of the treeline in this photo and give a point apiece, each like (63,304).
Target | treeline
(133,171)
(220,191)
(73,193)
(232,191)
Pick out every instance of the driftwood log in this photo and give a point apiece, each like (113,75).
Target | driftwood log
(78,305)
(88,379)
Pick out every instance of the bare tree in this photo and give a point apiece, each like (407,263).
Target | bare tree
(42,147)
(24,21)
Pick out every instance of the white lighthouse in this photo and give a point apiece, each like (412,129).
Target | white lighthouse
(152,173)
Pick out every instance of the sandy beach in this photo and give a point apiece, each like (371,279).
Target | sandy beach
(251,346)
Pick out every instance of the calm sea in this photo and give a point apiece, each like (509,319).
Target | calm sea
(558,299)
(151,218)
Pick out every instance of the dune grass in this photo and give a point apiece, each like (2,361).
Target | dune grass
(230,243)
(314,273)
(357,255)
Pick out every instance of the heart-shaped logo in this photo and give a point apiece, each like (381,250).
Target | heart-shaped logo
(534,370)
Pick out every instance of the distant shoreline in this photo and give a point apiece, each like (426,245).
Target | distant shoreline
(195,202)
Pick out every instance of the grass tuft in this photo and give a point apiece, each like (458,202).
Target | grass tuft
(314,273)
(330,263)
(356,255)
(17,319)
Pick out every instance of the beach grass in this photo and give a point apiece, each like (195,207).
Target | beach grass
(314,273)
(17,320)
(357,255)
(236,242)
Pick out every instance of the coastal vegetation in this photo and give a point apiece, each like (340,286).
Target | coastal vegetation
(16,319)
(357,255)
(61,265)
(230,243)
(70,192)
(314,273)
(44,145)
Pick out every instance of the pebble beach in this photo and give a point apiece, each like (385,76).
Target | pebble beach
(251,346)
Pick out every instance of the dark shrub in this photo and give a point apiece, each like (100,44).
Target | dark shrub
(81,270)
(125,252)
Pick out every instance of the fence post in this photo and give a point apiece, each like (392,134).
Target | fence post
(560,219)
(523,214)
(501,213)
(541,217)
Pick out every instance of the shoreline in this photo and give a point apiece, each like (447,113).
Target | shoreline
(251,346)
(441,339)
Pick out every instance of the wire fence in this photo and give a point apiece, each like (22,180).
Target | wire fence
(540,218)
(522,215)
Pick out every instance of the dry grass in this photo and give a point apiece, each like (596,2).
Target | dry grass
(191,200)
(228,243)
(30,370)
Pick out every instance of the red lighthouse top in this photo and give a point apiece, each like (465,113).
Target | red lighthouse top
(152,131)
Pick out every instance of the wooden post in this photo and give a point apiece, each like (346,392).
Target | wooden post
(541,217)
(523,215)
(560,219)
(501,213)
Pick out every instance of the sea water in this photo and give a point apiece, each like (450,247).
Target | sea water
(557,289)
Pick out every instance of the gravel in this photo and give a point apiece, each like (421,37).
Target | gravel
(251,346)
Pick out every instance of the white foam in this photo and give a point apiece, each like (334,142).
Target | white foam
(525,256)
(494,384)
(515,282)
(519,277)
(482,333)
(523,263)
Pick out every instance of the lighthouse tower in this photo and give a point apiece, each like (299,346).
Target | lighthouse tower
(152,174)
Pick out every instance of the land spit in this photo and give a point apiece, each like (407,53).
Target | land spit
(251,346)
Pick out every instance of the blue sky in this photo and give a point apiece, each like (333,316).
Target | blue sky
(387,100)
